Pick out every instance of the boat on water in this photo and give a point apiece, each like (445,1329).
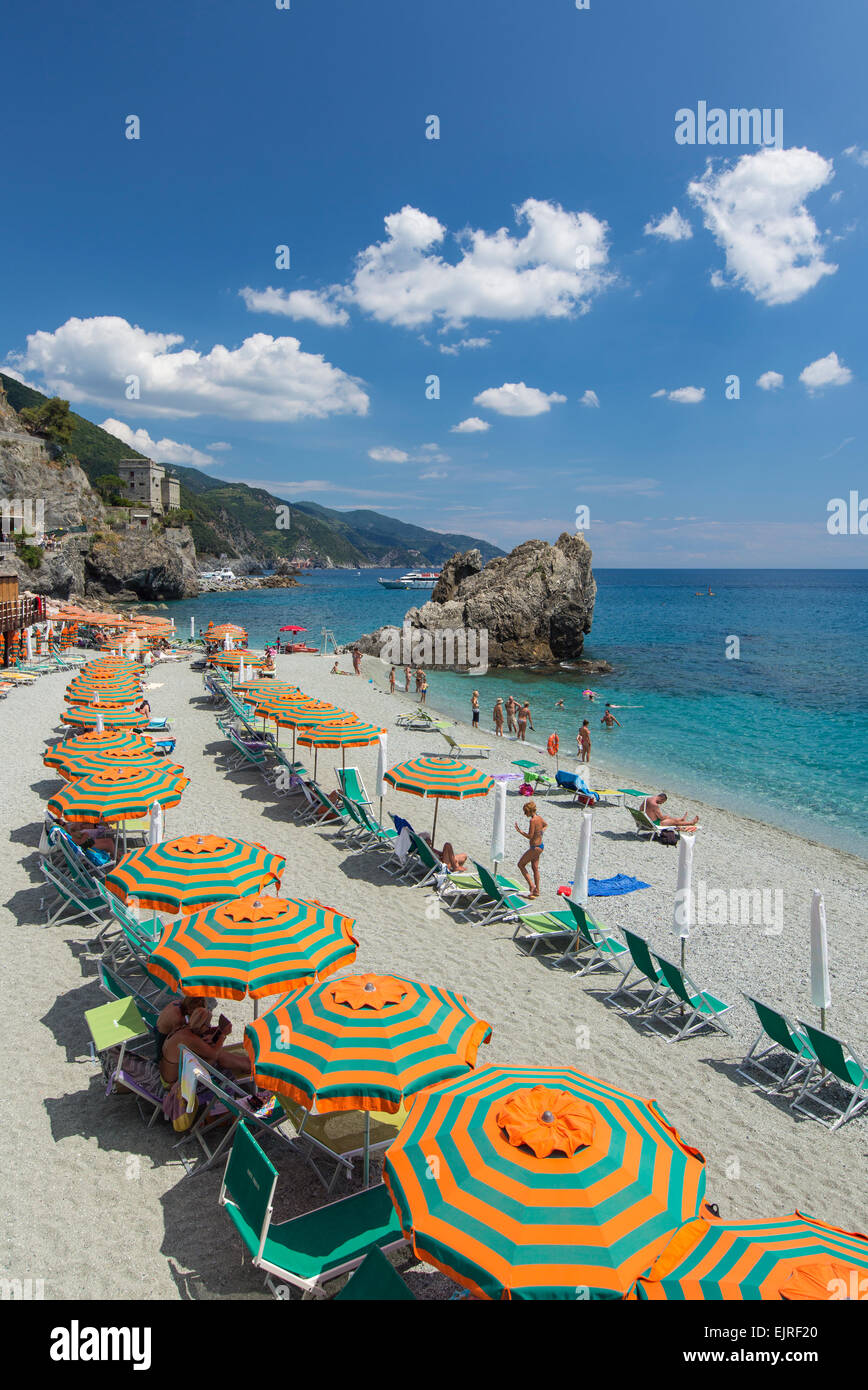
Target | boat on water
(416,579)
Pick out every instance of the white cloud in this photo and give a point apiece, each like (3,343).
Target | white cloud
(552,271)
(220,447)
(160,450)
(265,378)
(590,398)
(860,156)
(682,395)
(434,474)
(388,455)
(770,381)
(514,398)
(472,425)
(826,371)
(297,304)
(756,212)
(453,349)
(672,227)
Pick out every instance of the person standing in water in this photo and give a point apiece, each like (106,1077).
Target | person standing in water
(609,719)
(423,692)
(510,714)
(523,720)
(392,681)
(583,739)
(533,853)
(408,671)
(474,708)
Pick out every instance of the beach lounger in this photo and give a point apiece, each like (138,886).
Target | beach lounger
(582,794)
(69,901)
(420,719)
(130,1027)
(332,1144)
(785,1040)
(378,834)
(838,1065)
(248,752)
(532,928)
(693,1008)
(307,1251)
(461,750)
(651,978)
(224,1101)
(332,813)
(606,951)
(494,900)
(352,786)
(643,824)
(375,1281)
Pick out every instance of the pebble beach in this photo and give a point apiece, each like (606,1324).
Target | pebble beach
(99,1206)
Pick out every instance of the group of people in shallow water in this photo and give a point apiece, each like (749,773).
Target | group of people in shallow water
(409,673)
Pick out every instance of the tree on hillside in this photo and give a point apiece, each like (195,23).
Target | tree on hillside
(108,485)
(52,421)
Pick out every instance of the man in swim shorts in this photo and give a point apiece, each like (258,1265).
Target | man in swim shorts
(653,809)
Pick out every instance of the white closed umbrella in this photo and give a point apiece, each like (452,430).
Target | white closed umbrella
(28,643)
(682,915)
(382,767)
(821,993)
(96,699)
(192,628)
(100,727)
(583,859)
(155,829)
(498,828)
(227,643)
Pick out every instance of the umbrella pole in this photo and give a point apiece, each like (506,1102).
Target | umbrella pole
(367,1147)
(434,827)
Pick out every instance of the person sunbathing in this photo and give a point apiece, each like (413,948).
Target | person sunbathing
(653,808)
(455,863)
(196,1034)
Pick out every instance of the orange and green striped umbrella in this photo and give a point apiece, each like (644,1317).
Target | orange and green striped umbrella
(92,741)
(113,716)
(268,685)
(363,1042)
(439,777)
(77,765)
(788,1258)
(351,734)
(121,793)
(253,946)
(126,696)
(540,1183)
(225,630)
(232,659)
(193,872)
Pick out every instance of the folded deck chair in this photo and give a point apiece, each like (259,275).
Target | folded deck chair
(461,750)
(785,1040)
(838,1064)
(308,1251)
(375,1281)
(692,1008)
(606,952)
(650,978)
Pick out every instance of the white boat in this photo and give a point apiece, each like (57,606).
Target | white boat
(416,579)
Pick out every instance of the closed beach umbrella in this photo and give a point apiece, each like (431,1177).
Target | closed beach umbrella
(253,946)
(439,777)
(155,829)
(682,912)
(821,993)
(193,872)
(382,765)
(119,794)
(498,829)
(28,643)
(94,741)
(787,1258)
(540,1183)
(583,858)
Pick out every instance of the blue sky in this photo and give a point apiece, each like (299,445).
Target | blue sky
(523,263)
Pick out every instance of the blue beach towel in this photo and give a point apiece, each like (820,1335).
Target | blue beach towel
(615,886)
(575,784)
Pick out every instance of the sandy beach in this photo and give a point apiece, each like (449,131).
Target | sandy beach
(98,1206)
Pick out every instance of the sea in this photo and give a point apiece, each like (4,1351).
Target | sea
(754,698)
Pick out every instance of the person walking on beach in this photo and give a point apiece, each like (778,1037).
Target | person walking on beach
(510,714)
(392,680)
(531,857)
(523,720)
(609,719)
(423,693)
(408,671)
(583,739)
(474,708)
(497,716)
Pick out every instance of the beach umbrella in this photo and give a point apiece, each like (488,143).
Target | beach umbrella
(293,627)
(234,658)
(92,741)
(786,1258)
(192,628)
(227,642)
(682,912)
(124,696)
(363,1042)
(80,764)
(439,777)
(352,734)
(119,794)
(192,872)
(155,829)
(28,643)
(498,829)
(99,725)
(382,764)
(583,859)
(311,716)
(253,946)
(106,715)
(540,1183)
(821,993)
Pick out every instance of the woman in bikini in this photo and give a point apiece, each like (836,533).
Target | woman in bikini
(535,846)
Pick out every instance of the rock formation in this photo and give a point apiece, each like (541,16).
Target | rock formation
(536,604)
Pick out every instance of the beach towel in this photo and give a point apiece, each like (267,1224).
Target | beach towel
(574,782)
(613,887)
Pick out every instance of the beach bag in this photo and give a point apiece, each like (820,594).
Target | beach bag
(525,789)
(667,836)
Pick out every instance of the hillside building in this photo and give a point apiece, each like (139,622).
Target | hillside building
(147,484)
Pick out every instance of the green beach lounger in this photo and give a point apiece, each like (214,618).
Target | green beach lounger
(375,1281)
(651,978)
(606,951)
(693,1008)
(352,786)
(308,1251)
(532,928)
(838,1065)
(785,1040)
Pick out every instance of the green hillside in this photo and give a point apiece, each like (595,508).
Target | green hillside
(233,519)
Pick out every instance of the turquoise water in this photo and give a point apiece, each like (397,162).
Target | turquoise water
(780,733)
